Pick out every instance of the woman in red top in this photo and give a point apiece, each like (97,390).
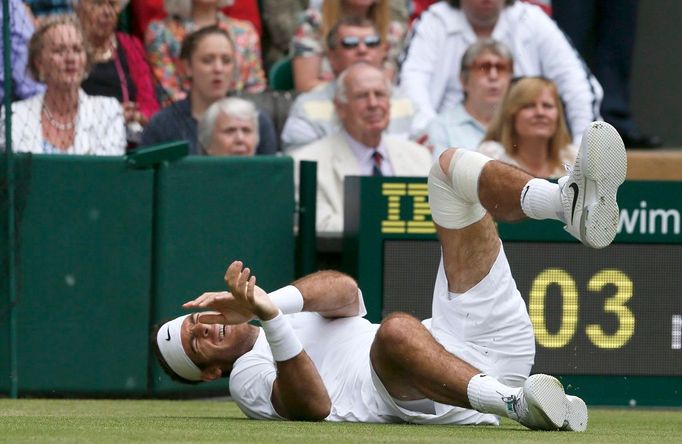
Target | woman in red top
(119,68)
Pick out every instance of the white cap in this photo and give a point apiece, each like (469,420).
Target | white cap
(170,344)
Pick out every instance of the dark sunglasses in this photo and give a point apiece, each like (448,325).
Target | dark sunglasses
(487,67)
(350,42)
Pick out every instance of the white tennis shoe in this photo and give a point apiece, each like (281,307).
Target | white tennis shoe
(576,419)
(543,405)
(588,193)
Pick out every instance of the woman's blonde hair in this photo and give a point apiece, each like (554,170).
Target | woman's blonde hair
(183,8)
(379,13)
(521,92)
(37,42)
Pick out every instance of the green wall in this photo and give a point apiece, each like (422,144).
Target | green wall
(105,251)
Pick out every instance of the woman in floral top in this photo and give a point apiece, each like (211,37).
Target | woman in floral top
(164,39)
(308,49)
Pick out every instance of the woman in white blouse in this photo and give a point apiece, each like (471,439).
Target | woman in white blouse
(64,119)
(529,129)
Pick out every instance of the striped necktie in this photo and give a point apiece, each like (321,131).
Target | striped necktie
(376,168)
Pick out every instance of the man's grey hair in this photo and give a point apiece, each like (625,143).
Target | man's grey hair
(232,107)
(483,45)
(183,8)
(340,90)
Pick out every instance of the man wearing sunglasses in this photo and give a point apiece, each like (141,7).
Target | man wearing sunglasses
(312,114)
(485,73)
(431,70)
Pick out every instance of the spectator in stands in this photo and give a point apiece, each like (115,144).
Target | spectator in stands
(308,50)
(442,34)
(164,38)
(419,6)
(485,73)
(604,34)
(280,21)
(144,11)
(21,29)
(229,128)
(312,114)
(120,68)
(529,130)
(64,119)
(209,58)
(361,147)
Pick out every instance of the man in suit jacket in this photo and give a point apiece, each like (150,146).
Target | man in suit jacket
(361,147)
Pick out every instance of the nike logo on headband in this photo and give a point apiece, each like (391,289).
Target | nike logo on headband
(168,338)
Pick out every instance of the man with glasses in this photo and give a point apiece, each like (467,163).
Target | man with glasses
(312,114)
(429,75)
(485,72)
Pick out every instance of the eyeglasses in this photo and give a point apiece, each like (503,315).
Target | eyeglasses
(351,42)
(487,67)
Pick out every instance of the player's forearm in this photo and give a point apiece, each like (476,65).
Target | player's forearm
(330,293)
(298,392)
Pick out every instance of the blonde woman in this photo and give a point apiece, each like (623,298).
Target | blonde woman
(64,119)
(529,130)
(308,50)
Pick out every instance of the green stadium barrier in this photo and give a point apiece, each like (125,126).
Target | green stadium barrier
(106,249)
(84,245)
(211,211)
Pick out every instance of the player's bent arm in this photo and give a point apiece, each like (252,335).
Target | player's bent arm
(298,392)
(330,293)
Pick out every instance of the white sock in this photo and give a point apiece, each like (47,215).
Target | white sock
(541,199)
(488,395)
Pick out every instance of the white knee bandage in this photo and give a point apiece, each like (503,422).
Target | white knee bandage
(454,200)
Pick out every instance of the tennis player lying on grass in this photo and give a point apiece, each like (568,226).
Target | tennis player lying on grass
(316,358)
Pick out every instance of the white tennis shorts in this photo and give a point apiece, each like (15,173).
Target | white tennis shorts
(488,327)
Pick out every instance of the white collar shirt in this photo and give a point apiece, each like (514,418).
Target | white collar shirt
(364,155)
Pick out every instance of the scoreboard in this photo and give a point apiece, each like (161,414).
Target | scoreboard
(610,319)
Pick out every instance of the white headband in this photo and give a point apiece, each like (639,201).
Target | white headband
(170,345)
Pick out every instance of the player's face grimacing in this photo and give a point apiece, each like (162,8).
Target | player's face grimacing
(209,344)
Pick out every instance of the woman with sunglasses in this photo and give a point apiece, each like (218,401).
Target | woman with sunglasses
(529,129)
(310,64)
(485,72)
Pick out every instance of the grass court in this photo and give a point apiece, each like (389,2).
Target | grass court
(220,421)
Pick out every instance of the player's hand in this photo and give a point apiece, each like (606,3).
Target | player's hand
(244,289)
(228,309)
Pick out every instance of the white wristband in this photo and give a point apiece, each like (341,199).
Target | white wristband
(284,343)
(288,299)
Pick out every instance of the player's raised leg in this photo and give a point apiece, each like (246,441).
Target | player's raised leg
(585,199)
